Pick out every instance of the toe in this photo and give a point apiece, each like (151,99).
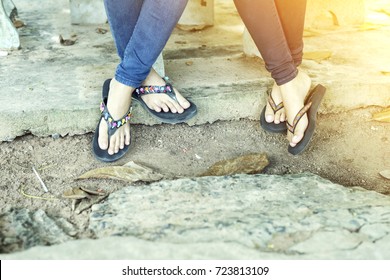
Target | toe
(111,148)
(299,132)
(183,103)
(171,106)
(282,116)
(269,114)
(127,135)
(117,144)
(103,136)
(277,117)
(164,107)
(156,106)
(122,141)
(175,107)
(295,139)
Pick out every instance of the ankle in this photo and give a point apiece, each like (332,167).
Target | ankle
(297,88)
(116,86)
(119,98)
(153,79)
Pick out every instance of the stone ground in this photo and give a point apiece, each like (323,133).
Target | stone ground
(344,155)
(301,216)
(349,148)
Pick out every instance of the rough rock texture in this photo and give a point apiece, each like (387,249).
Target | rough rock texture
(293,215)
(232,217)
(21,229)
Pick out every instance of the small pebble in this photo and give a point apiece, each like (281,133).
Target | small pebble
(55,136)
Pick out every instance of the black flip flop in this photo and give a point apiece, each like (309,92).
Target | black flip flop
(272,127)
(312,103)
(165,117)
(112,125)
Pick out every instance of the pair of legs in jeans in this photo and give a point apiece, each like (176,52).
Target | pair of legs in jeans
(140,29)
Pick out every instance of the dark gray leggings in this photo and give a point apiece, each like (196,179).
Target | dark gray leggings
(276,27)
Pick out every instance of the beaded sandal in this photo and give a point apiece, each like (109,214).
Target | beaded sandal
(272,127)
(165,117)
(312,103)
(112,126)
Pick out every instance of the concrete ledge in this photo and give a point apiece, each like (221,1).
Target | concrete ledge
(238,91)
(49,88)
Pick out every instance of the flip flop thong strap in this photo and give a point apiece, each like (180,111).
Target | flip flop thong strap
(154,89)
(112,124)
(274,107)
(298,117)
(166,89)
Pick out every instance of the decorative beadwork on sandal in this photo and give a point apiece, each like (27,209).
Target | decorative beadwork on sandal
(110,121)
(153,89)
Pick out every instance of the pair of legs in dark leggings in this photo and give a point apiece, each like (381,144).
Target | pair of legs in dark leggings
(140,29)
(276,27)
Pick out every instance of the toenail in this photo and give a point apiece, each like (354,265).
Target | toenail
(269,118)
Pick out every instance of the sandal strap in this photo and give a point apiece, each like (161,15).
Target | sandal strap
(166,89)
(298,117)
(274,107)
(112,124)
(154,89)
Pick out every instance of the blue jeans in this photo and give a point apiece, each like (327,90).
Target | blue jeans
(141,28)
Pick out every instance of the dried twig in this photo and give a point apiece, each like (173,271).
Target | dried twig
(40,180)
(21,190)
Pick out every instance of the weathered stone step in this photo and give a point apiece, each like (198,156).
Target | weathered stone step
(234,217)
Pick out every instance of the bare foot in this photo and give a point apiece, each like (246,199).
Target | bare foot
(293,94)
(270,115)
(162,102)
(118,104)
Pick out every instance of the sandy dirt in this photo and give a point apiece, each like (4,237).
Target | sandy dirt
(349,149)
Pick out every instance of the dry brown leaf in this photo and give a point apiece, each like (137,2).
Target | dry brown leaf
(74,193)
(385,174)
(317,55)
(130,172)
(383,116)
(93,190)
